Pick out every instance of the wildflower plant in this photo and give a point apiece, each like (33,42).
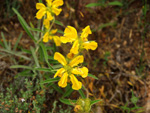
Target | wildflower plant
(63,69)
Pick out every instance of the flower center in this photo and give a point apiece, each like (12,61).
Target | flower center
(68,69)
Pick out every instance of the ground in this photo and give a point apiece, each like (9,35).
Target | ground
(121,61)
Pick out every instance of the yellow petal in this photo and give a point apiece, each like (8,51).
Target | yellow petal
(70,34)
(63,80)
(75,47)
(46,37)
(90,45)
(81,71)
(53,31)
(60,58)
(56,10)
(65,39)
(57,40)
(59,72)
(57,3)
(40,6)
(76,61)
(46,23)
(85,32)
(49,16)
(40,13)
(76,85)
(49,3)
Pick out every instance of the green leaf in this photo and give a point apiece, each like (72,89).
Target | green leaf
(106,25)
(19,54)
(59,31)
(68,92)
(21,66)
(116,3)
(58,22)
(44,69)
(34,56)
(24,24)
(58,89)
(90,75)
(81,93)
(4,40)
(44,51)
(16,44)
(35,29)
(45,54)
(95,101)
(50,80)
(68,101)
(94,5)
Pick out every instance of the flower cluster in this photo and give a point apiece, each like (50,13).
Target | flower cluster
(71,68)
(49,12)
(79,42)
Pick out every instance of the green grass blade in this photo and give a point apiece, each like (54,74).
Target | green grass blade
(95,101)
(58,89)
(115,3)
(24,24)
(50,80)
(21,66)
(59,31)
(34,56)
(94,5)
(106,25)
(90,75)
(35,29)
(68,92)
(45,54)
(45,69)
(15,46)
(68,101)
(1,43)
(4,40)
(59,23)
(18,54)
(81,93)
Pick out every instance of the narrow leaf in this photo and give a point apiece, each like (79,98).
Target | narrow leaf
(16,44)
(58,89)
(116,3)
(81,93)
(34,56)
(21,66)
(19,54)
(50,80)
(94,4)
(24,24)
(95,101)
(58,22)
(44,69)
(68,101)
(4,40)
(106,25)
(90,75)
(68,92)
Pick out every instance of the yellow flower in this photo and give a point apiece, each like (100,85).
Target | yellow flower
(69,69)
(80,43)
(50,35)
(70,35)
(50,10)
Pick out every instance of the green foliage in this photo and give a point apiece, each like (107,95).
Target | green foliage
(104,4)
(8,4)
(134,101)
